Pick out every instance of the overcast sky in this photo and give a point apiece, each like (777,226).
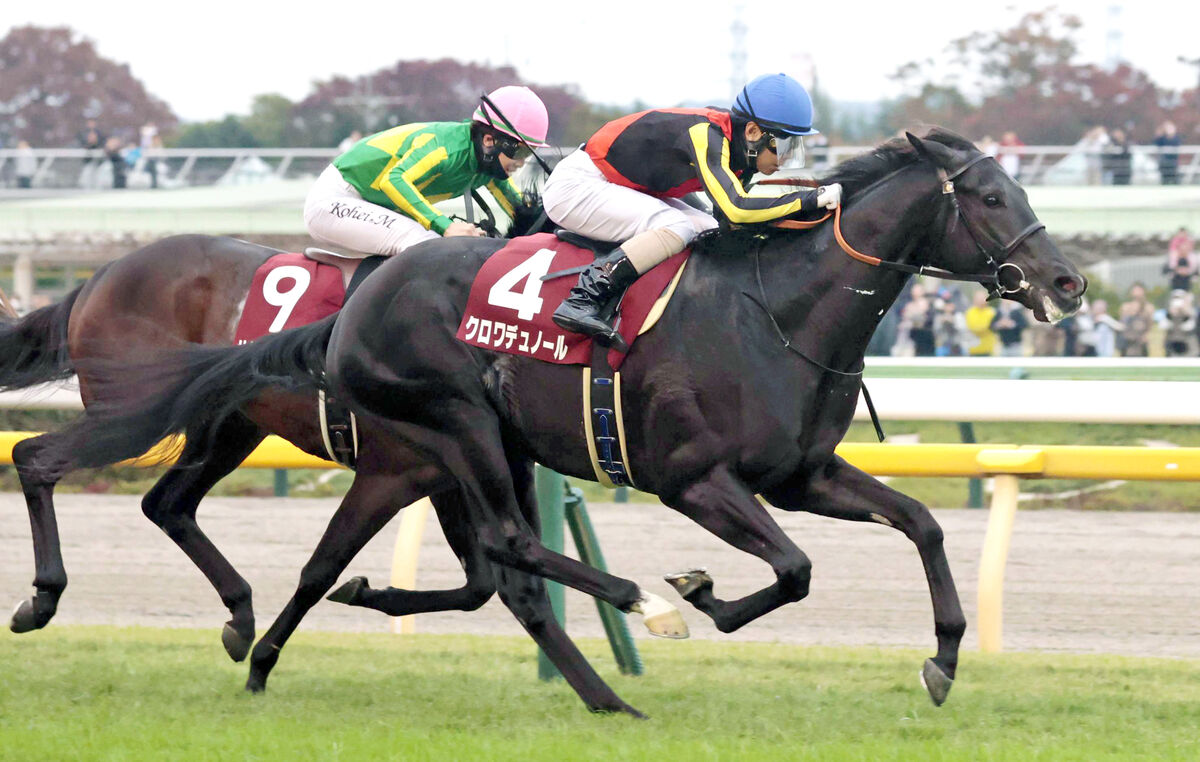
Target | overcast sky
(210,58)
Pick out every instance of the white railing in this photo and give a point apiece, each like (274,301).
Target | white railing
(64,167)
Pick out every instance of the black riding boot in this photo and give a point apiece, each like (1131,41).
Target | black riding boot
(588,310)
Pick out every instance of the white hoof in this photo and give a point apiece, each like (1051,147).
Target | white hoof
(660,617)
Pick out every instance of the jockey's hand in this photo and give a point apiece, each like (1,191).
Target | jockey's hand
(458,227)
(829,196)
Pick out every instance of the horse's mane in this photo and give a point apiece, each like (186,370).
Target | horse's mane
(862,171)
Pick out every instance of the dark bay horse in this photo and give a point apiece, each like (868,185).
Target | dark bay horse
(744,387)
(176,291)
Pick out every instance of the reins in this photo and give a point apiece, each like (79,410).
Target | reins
(765,306)
(991,281)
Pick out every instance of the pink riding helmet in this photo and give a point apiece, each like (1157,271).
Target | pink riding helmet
(523,110)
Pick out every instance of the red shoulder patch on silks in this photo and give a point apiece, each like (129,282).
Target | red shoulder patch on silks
(288,291)
(510,305)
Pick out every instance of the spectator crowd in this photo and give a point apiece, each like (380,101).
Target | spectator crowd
(946,322)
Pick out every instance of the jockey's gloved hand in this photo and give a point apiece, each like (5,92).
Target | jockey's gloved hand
(459,227)
(829,196)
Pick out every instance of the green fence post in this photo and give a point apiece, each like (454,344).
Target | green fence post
(629,661)
(974,486)
(550,490)
(281,482)
(620,495)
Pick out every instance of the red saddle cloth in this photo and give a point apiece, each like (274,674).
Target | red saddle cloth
(289,290)
(510,305)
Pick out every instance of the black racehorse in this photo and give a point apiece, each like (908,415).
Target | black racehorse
(744,387)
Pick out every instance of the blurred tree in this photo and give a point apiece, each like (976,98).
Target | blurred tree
(442,90)
(270,121)
(229,132)
(1022,79)
(53,82)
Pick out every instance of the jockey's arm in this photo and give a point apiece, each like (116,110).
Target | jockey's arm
(710,152)
(507,195)
(402,181)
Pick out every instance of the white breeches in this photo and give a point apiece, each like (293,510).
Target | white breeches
(337,216)
(581,199)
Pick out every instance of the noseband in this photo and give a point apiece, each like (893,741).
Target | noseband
(997,258)
(994,282)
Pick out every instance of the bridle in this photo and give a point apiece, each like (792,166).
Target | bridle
(996,258)
(991,281)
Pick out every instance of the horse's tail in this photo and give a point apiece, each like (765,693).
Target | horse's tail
(33,349)
(186,391)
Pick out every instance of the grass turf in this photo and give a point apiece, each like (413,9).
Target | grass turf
(126,694)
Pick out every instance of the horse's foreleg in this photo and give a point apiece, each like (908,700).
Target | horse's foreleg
(842,491)
(50,576)
(724,506)
(172,502)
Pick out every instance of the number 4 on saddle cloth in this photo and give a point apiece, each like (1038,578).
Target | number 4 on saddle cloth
(291,290)
(509,311)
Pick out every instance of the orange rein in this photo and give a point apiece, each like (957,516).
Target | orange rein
(837,234)
(810,224)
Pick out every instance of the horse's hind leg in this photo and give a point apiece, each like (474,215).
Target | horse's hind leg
(727,508)
(50,576)
(394,601)
(526,596)
(372,501)
(472,451)
(171,504)
(843,492)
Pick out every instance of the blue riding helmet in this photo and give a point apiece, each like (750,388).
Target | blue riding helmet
(777,103)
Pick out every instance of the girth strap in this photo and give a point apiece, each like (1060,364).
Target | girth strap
(339,430)
(603,424)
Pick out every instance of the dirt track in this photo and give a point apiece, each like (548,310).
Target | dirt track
(1088,582)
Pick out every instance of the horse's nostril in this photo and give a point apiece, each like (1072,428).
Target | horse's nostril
(1072,285)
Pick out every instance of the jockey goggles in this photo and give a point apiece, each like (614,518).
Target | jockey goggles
(513,149)
(788,148)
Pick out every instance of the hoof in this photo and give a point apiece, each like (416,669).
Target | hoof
(256,684)
(24,617)
(621,708)
(690,582)
(349,592)
(936,682)
(661,618)
(237,644)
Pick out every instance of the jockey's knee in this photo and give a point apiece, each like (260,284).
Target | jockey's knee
(674,221)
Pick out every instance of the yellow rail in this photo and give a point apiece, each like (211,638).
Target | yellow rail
(1007,464)
(274,452)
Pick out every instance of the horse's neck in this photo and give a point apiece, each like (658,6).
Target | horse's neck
(836,296)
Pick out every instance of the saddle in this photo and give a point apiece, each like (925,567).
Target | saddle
(346,264)
(314,290)
(597,247)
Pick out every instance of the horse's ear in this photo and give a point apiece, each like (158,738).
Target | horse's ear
(931,150)
(918,144)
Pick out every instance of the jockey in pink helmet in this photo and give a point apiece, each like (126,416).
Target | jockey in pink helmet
(377,197)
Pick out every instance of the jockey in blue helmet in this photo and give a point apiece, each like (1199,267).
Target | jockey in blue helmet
(626,183)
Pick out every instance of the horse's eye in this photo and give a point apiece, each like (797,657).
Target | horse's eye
(991,199)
